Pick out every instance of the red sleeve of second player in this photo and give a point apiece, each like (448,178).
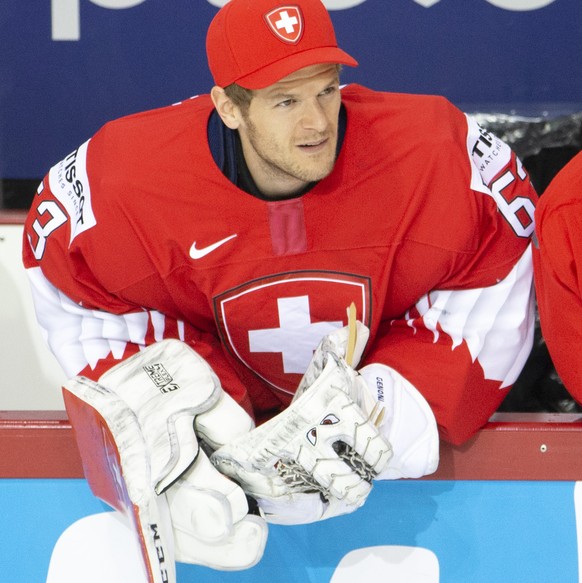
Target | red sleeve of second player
(558,273)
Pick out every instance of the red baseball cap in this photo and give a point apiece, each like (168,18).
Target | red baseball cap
(255,43)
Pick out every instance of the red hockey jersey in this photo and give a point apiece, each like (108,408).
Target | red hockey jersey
(424,223)
(558,272)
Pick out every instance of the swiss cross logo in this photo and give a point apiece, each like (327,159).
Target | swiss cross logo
(286,23)
(274,324)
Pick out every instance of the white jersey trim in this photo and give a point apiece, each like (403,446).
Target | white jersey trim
(78,336)
(496,322)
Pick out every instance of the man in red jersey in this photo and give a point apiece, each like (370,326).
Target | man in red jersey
(244,222)
(557,272)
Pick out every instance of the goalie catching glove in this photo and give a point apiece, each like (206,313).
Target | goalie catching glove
(317,458)
(343,429)
(137,434)
(405,418)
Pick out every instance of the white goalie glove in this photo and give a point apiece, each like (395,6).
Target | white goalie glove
(343,429)
(137,431)
(318,457)
(404,419)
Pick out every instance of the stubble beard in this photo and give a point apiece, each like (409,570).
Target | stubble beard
(281,167)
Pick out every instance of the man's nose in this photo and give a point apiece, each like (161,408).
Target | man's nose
(314,116)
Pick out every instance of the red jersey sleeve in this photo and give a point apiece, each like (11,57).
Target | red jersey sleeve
(73,259)
(558,273)
(463,344)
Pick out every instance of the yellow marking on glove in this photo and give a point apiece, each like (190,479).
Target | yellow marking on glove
(351,334)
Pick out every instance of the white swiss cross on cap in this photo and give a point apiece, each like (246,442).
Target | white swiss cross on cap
(286,22)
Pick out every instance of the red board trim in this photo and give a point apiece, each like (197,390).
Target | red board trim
(527,446)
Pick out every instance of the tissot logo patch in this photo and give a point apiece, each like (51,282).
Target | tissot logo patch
(69,183)
(274,324)
(286,23)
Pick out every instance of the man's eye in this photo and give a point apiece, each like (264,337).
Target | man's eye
(328,91)
(286,103)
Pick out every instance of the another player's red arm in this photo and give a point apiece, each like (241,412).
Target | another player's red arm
(557,270)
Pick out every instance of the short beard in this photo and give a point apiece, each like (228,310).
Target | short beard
(280,168)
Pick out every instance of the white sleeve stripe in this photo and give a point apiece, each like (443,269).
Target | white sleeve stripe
(57,323)
(514,325)
(113,327)
(79,337)
(93,345)
(496,322)
(451,310)
(159,324)
(136,324)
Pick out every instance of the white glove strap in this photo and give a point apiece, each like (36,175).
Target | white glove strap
(408,424)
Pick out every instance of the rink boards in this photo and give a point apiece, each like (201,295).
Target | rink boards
(504,507)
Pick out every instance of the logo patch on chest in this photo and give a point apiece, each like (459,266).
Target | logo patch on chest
(273,324)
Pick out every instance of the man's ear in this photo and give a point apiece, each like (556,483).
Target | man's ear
(227,110)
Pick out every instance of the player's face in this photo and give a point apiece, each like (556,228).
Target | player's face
(289,133)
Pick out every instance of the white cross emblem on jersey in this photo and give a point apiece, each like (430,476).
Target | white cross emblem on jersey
(296,338)
(286,23)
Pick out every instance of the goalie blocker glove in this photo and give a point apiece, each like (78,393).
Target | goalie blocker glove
(137,434)
(408,423)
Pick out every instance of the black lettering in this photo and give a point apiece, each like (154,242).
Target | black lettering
(160,552)
(476,150)
(73,159)
(380,388)
(484,138)
(78,188)
(70,173)
(81,205)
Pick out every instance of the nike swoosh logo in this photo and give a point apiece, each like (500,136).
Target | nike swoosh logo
(197,253)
